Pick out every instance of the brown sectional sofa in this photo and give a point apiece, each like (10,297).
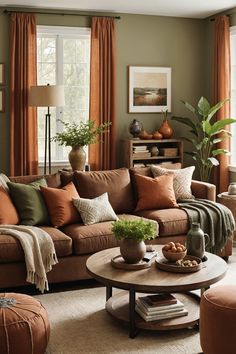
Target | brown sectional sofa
(75,243)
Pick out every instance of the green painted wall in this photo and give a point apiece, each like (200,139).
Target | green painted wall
(141,40)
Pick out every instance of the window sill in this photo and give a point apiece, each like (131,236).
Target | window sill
(232,168)
(55,164)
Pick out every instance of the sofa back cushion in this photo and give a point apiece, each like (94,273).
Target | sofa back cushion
(116,183)
(8,213)
(53,180)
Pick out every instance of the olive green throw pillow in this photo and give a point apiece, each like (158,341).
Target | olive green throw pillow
(29,202)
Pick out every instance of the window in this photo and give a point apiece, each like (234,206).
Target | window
(233,92)
(63,58)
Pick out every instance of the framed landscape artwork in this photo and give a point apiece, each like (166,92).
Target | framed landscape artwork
(149,89)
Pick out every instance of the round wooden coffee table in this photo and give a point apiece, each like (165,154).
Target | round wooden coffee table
(152,280)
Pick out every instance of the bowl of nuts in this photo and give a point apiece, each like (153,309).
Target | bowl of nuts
(174,251)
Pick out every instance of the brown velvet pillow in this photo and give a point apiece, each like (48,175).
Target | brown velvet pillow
(8,213)
(155,193)
(59,203)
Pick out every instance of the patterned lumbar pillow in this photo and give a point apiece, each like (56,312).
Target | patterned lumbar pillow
(95,210)
(182,180)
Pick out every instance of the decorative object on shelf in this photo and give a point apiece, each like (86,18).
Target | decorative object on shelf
(132,234)
(154,151)
(205,134)
(2,100)
(135,128)
(2,74)
(232,188)
(149,89)
(197,240)
(145,135)
(47,96)
(165,129)
(77,136)
(157,135)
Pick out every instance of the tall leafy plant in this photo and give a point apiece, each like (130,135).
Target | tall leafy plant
(206,134)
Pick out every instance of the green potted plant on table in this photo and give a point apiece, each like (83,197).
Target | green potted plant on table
(206,133)
(78,135)
(132,234)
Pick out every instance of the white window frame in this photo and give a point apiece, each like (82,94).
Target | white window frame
(66,32)
(232,166)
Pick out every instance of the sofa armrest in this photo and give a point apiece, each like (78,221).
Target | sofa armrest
(203,190)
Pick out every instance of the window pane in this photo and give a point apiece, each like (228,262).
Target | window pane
(63,58)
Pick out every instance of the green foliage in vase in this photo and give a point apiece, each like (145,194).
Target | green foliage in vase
(206,133)
(81,134)
(138,230)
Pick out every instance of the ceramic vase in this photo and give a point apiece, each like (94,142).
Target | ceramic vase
(77,158)
(166,130)
(197,240)
(135,128)
(132,251)
(232,188)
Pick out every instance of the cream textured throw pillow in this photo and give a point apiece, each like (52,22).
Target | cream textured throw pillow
(3,182)
(182,180)
(95,210)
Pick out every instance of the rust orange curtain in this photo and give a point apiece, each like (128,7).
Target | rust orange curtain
(23,120)
(102,91)
(221,92)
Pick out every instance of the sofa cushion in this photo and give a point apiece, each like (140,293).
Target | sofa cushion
(94,238)
(182,180)
(60,206)
(155,193)
(116,183)
(172,221)
(53,180)
(29,202)
(8,212)
(11,250)
(93,211)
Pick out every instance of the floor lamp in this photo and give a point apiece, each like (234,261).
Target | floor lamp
(47,96)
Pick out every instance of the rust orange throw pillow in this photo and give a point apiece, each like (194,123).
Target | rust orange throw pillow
(155,193)
(59,203)
(8,213)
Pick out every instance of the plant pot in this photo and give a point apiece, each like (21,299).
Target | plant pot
(166,130)
(132,251)
(77,158)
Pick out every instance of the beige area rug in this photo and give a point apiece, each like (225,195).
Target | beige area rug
(80,324)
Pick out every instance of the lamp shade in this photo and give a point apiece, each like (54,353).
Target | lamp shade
(47,96)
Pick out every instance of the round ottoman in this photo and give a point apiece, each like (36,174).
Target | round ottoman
(218,320)
(24,325)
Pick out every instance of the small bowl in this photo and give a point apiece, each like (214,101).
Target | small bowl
(173,256)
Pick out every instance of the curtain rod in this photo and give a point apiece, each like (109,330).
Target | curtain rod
(8,12)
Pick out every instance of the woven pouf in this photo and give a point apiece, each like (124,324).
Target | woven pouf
(24,325)
(218,320)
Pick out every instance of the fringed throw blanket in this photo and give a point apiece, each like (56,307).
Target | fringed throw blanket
(39,252)
(215,219)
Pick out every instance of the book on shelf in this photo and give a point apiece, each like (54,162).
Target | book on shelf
(140,151)
(140,147)
(142,155)
(159,309)
(139,164)
(157,317)
(158,300)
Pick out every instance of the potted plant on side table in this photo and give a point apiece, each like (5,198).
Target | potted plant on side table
(132,234)
(78,135)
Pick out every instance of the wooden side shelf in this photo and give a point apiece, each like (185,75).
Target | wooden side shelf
(131,159)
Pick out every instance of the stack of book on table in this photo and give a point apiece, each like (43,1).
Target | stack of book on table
(159,306)
(141,151)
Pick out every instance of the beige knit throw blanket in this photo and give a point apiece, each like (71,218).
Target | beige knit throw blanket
(39,252)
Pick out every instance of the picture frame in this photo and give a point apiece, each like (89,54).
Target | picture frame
(2,74)
(149,89)
(2,100)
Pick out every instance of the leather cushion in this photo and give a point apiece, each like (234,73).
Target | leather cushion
(155,193)
(172,221)
(11,250)
(115,182)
